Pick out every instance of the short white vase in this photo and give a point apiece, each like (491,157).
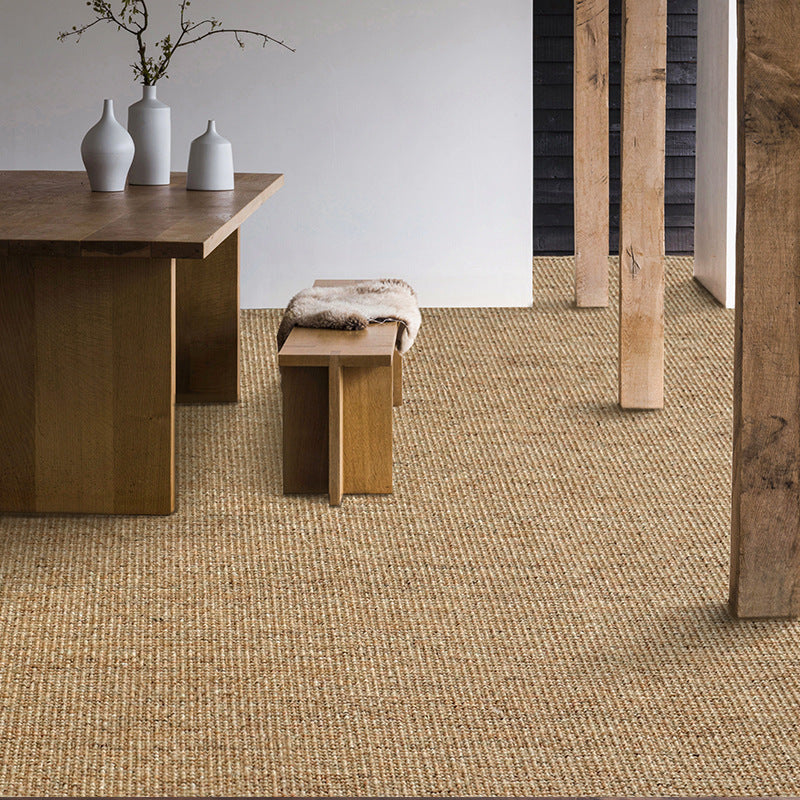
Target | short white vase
(107,152)
(150,128)
(210,162)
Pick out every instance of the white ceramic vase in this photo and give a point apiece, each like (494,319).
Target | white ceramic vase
(210,162)
(107,152)
(150,128)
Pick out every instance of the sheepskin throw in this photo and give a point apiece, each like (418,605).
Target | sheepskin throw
(353,306)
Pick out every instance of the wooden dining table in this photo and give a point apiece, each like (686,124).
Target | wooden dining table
(113,306)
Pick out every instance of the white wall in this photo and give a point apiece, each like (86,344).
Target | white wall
(715,192)
(403,128)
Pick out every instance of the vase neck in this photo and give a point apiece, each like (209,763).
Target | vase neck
(149,92)
(212,126)
(108,108)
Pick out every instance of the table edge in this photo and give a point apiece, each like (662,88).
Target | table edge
(157,248)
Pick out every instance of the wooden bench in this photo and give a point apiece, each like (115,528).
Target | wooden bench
(338,389)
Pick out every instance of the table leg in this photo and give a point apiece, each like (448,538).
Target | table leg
(208,326)
(87,396)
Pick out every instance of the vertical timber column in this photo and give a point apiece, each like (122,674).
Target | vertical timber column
(641,224)
(591,153)
(765,518)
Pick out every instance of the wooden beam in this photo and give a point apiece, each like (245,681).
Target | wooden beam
(641,228)
(765,529)
(591,153)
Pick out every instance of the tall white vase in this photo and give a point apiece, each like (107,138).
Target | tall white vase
(150,126)
(107,152)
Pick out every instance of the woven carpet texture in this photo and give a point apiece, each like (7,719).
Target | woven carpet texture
(538,609)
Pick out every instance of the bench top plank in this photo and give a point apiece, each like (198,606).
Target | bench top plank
(313,347)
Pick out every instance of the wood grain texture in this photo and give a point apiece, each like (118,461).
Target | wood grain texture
(765,530)
(335,431)
(314,401)
(641,318)
(207,314)
(17,384)
(367,439)
(56,214)
(590,142)
(304,393)
(88,354)
(311,347)
(144,386)
(397,378)
(74,352)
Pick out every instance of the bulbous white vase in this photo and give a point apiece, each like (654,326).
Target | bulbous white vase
(150,127)
(210,162)
(107,152)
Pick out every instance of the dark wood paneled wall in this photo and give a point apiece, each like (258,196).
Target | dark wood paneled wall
(552,126)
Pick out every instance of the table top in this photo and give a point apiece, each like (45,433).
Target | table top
(46,213)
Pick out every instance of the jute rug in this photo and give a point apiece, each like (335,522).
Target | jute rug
(539,609)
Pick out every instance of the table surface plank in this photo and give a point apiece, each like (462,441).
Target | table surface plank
(56,214)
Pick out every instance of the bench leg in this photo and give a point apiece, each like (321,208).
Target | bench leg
(305,429)
(367,437)
(335,432)
(397,379)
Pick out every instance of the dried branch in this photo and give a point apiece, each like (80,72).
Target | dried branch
(134,19)
(78,32)
(236,31)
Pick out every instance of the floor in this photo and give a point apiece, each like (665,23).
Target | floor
(538,609)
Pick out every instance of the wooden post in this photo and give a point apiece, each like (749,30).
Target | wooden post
(765,519)
(641,225)
(591,152)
